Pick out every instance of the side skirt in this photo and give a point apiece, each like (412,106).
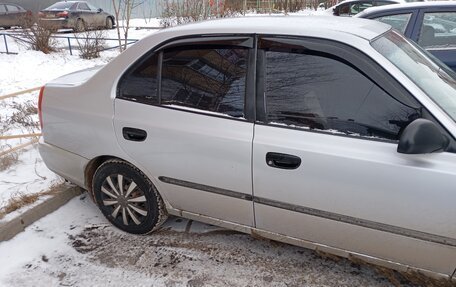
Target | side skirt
(255,232)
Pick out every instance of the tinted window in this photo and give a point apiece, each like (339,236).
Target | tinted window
(398,22)
(316,91)
(438,30)
(83,6)
(359,7)
(210,79)
(12,8)
(140,84)
(92,7)
(2,8)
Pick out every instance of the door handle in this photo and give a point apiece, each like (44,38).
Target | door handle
(281,160)
(132,134)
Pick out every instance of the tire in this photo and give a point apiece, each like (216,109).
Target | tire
(80,26)
(109,24)
(136,207)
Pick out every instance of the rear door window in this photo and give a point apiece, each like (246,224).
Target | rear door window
(2,9)
(83,6)
(205,78)
(398,21)
(438,30)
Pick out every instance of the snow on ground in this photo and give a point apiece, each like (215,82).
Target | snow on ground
(75,246)
(30,69)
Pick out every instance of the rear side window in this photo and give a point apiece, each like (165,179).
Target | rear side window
(317,91)
(398,21)
(438,30)
(83,6)
(140,83)
(2,8)
(206,78)
(12,8)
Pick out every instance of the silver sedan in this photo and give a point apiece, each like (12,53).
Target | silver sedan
(329,133)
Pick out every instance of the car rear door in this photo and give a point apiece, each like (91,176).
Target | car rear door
(182,114)
(435,31)
(325,165)
(87,15)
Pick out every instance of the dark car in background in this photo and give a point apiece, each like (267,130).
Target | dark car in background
(431,24)
(76,15)
(13,15)
(353,7)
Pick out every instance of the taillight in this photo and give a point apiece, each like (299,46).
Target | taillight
(40,111)
(62,14)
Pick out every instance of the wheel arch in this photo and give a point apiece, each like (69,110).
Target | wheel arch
(96,162)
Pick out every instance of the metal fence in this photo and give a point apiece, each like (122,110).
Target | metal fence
(69,43)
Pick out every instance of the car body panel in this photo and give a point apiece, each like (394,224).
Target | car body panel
(86,119)
(12,15)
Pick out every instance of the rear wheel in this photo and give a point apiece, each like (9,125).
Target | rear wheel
(127,198)
(80,26)
(109,23)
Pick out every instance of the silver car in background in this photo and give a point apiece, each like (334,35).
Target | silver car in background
(334,134)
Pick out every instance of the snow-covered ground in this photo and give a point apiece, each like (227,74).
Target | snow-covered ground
(75,246)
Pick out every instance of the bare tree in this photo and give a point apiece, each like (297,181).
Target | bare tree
(122,11)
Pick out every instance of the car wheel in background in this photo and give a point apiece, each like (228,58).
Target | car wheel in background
(127,198)
(109,23)
(80,26)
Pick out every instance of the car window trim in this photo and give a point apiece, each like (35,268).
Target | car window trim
(243,40)
(355,58)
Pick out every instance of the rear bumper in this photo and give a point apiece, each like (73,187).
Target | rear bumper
(64,163)
(59,23)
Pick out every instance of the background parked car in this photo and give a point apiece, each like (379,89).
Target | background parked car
(431,24)
(13,15)
(353,7)
(76,15)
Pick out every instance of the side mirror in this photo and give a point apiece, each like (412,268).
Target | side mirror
(422,136)
(99,10)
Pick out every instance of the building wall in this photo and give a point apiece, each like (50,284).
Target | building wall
(149,8)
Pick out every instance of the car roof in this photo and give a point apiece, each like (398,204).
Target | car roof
(285,25)
(351,1)
(406,6)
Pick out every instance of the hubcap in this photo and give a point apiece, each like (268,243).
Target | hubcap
(124,200)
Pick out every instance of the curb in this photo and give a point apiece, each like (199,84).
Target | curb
(11,228)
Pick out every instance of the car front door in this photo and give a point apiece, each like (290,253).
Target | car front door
(325,165)
(435,31)
(182,114)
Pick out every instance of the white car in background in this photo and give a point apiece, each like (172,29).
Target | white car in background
(335,134)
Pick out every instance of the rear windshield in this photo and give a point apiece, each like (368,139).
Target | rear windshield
(61,6)
(429,74)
